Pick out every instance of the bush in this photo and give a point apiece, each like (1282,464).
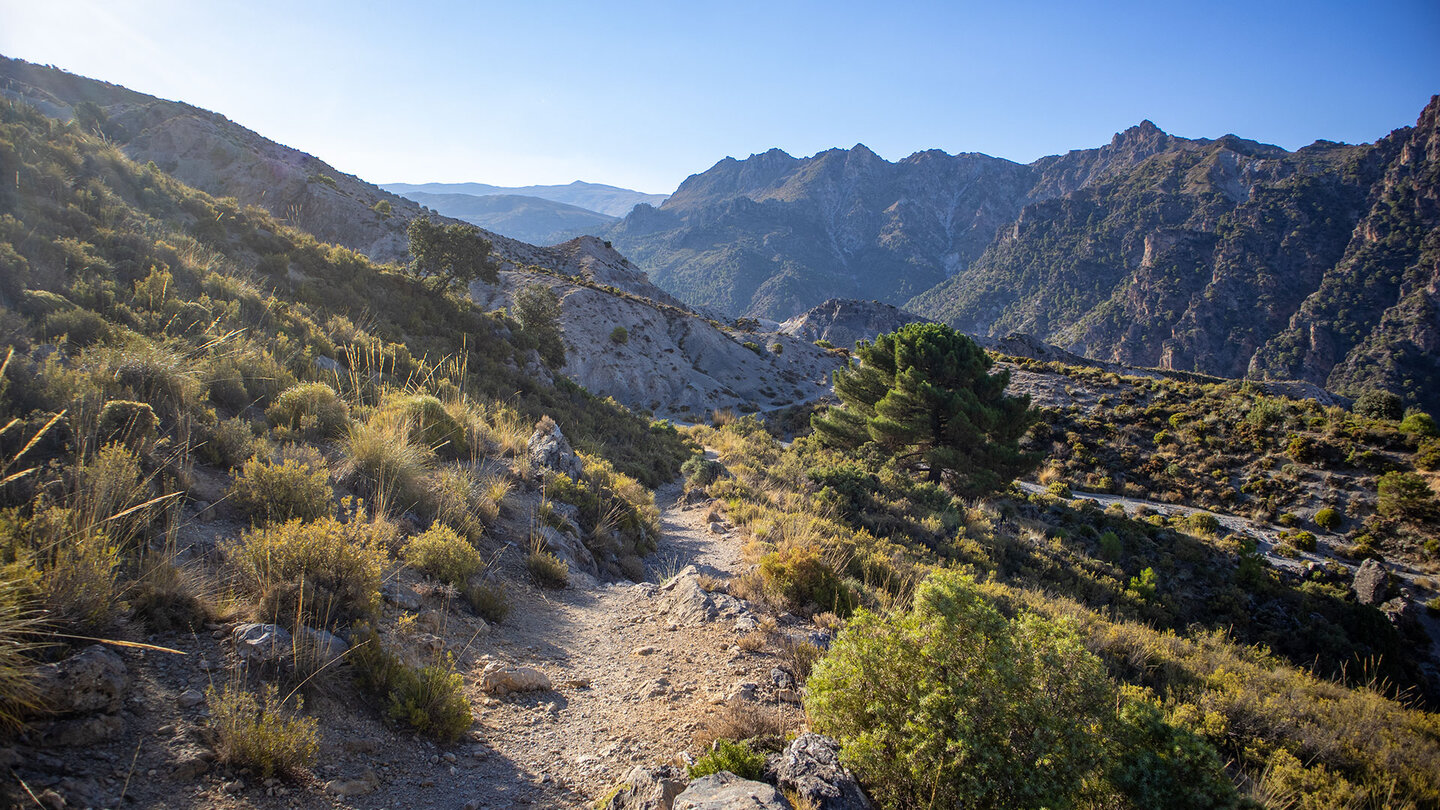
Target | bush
(619,335)
(804,582)
(1419,424)
(1328,519)
(1202,523)
(431,425)
(262,734)
(275,493)
(1378,405)
(310,410)
(1403,494)
(489,600)
(230,443)
(432,701)
(326,571)
(735,757)
(548,570)
(986,712)
(441,553)
(701,472)
(390,464)
(133,424)
(1427,457)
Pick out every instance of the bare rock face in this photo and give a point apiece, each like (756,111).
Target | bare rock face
(648,789)
(549,448)
(94,680)
(1372,582)
(726,791)
(569,549)
(811,768)
(844,322)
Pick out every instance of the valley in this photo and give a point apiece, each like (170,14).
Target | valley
(1107,480)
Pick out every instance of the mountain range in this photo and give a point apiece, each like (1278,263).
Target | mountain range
(529,219)
(1226,256)
(611,201)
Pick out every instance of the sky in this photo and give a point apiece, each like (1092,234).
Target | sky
(643,94)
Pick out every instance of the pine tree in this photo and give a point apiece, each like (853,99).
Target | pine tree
(923,396)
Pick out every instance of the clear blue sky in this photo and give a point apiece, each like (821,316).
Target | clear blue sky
(642,94)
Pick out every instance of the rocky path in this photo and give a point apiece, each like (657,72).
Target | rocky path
(634,677)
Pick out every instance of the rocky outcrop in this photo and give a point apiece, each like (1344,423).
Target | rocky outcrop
(1372,583)
(652,355)
(550,449)
(93,680)
(647,788)
(810,768)
(843,323)
(726,791)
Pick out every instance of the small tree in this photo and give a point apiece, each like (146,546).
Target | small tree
(537,308)
(923,395)
(454,255)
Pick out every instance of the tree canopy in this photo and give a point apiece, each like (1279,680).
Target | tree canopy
(454,254)
(537,308)
(923,396)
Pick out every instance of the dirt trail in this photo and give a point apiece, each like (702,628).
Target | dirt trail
(631,685)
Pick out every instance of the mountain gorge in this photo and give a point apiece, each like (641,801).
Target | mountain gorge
(1225,256)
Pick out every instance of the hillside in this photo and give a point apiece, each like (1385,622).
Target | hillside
(611,201)
(529,219)
(1226,257)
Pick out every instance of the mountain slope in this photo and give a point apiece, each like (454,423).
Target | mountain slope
(609,200)
(773,235)
(529,219)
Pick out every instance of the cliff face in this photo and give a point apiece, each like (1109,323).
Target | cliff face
(844,322)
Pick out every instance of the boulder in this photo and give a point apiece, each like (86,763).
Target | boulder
(647,789)
(549,448)
(499,679)
(1371,584)
(569,548)
(263,644)
(93,680)
(326,644)
(810,766)
(726,791)
(401,596)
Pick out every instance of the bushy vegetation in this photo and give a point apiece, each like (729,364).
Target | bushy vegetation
(1195,631)
(262,735)
(430,699)
(322,571)
(441,553)
(728,755)
(992,712)
(275,493)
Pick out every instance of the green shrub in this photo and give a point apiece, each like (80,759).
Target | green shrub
(1328,519)
(432,701)
(1403,494)
(229,443)
(754,347)
(1111,547)
(941,730)
(1203,523)
(133,424)
(390,464)
(619,335)
(735,757)
(1303,540)
(81,327)
(262,735)
(701,472)
(441,553)
(275,493)
(489,600)
(326,571)
(1164,765)
(548,570)
(1378,405)
(1419,424)
(1059,489)
(310,410)
(804,582)
(432,426)
(1427,456)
